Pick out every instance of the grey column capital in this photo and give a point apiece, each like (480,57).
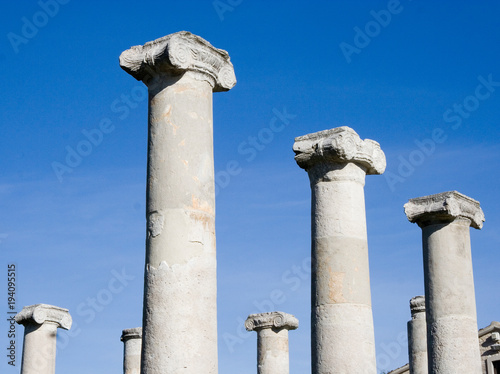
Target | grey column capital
(135,333)
(444,207)
(42,313)
(339,145)
(177,53)
(277,320)
(417,305)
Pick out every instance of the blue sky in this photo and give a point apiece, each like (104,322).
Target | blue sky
(420,78)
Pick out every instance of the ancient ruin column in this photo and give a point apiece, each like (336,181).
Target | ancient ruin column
(132,343)
(337,161)
(40,330)
(417,336)
(452,340)
(181,71)
(272,340)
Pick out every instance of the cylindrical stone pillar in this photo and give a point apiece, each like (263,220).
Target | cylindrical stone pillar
(272,340)
(132,343)
(452,340)
(181,71)
(337,161)
(417,336)
(40,330)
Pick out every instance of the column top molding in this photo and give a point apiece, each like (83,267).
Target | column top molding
(417,304)
(444,207)
(339,145)
(135,333)
(278,320)
(41,313)
(177,53)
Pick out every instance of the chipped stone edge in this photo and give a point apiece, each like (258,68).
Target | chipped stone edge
(341,144)
(179,52)
(41,313)
(417,304)
(279,320)
(445,206)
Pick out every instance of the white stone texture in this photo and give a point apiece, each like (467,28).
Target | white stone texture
(40,330)
(452,340)
(337,161)
(272,340)
(180,306)
(132,343)
(417,336)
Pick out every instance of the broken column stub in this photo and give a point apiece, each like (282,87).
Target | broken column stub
(337,161)
(272,340)
(445,218)
(132,343)
(41,322)
(417,336)
(180,314)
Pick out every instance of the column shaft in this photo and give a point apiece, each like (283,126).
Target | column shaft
(451,307)
(39,349)
(272,352)
(132,344)
(417,337)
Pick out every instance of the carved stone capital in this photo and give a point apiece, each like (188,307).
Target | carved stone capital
(277,320)
(417,305)
(135,333)
(444,207)
(177,53)
(41,313)
(339,145)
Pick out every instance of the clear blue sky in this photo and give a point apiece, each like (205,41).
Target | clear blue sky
(421,78)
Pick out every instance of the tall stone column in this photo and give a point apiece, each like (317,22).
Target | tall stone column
(445,218)
(337,161)
(417,336)
(40,330)
(132,343)
(181,71)
(272,340)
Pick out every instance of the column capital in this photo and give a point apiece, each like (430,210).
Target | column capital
(41,313)
(339,145)
(444,207)
(278,320)
(135,333)
(177,53)
(417,305)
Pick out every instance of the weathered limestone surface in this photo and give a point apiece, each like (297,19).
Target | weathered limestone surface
(337,161)
(417,336)
(181,71)
(272,340)
(132,341)
(452,340)
(40,330)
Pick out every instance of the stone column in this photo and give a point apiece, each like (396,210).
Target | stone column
(132,343)
(337,161)
(40,330)
(445,218)
(417,336)
(181,71)
(272,340)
